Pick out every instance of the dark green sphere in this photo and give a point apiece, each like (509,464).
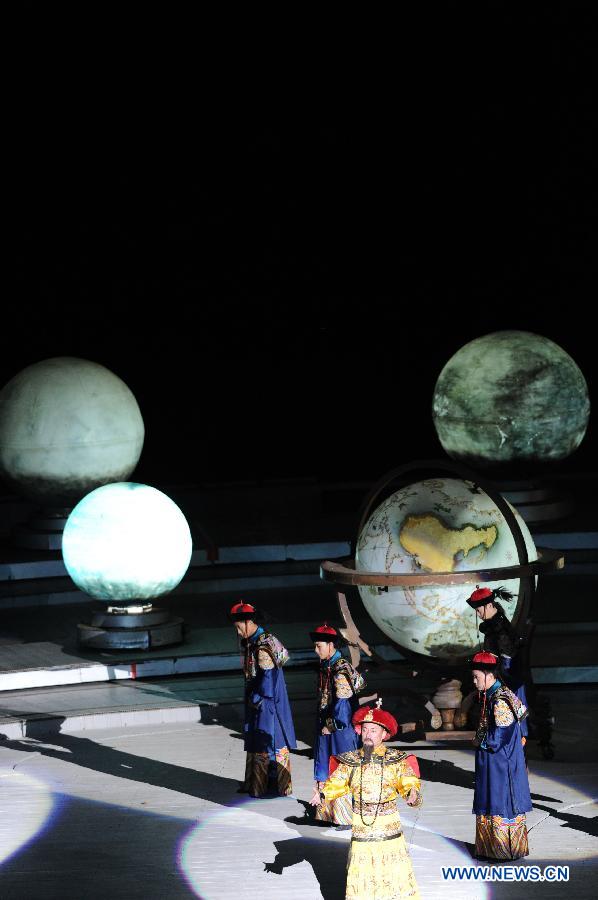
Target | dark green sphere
(510,397)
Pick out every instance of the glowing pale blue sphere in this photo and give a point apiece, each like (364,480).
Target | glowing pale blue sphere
(126,541)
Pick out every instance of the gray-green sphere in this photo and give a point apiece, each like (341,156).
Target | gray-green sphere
(510,397)
(67,425)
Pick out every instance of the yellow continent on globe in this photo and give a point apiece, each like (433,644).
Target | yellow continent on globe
(436,545)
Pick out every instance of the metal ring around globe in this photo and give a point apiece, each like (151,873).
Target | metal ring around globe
(413,589)
(526,578)
(344,572)
(460,471)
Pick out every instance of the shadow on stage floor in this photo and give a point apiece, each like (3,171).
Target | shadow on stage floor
(578,823)
(446,772)
(89,754)
(327,856)
(95,851)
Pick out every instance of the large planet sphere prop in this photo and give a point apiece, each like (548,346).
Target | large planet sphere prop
(126,542)
(67,426)
(510,397)
(436,525)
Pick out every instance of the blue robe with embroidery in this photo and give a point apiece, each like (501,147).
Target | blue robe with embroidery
(337,715)
(513,675)
(268,721)
(501,782)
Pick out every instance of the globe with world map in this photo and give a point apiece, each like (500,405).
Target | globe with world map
(440,525)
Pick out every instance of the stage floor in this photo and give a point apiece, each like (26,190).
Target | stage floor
(152,811)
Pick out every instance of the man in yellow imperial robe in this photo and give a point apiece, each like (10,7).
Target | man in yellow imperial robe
(379,867)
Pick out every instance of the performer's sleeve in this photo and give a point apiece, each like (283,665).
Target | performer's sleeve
(264,687)
(499,727)
(338,783)
(407,778)
(507,646)
(341,711)
(506,662)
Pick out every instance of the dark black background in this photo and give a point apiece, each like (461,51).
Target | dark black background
(281,292)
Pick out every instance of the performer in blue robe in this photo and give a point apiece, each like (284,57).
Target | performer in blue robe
(501,639)
(502,796)
(338,686)
(268,727)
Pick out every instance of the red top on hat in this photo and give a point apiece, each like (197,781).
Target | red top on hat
(242,608)
(325,632)
(484,595)
(242,611)
(480,597)
(484,660)
(378,716)
(325,629)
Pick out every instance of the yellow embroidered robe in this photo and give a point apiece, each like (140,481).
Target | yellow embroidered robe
(379,867)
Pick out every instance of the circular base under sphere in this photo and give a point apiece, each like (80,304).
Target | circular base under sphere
(510,397)
(126,542)
(66,426)
(144,631)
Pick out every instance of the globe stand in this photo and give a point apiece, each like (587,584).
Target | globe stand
(357,646)
(447,700)
(136,626)
(536,500)
(43,530)
(345,573)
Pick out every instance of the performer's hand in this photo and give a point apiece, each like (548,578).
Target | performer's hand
(316,799)
(412,797)
(325,730)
